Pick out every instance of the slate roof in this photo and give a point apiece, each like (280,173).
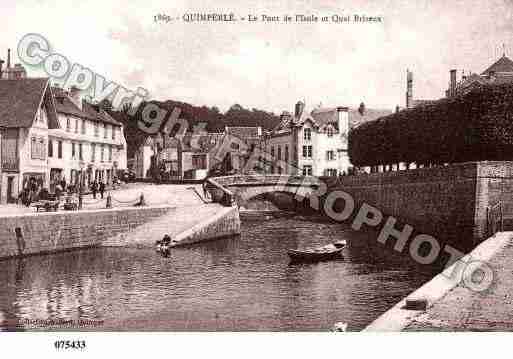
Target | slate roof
(329,115)
(98,113)
(19,101)
(89,111)
(504,64)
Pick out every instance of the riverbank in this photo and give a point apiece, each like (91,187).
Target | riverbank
(452,305)
(176,210)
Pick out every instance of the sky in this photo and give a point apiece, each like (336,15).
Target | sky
(270,66)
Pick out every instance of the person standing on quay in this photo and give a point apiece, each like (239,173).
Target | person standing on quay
(102,188)
(94,189)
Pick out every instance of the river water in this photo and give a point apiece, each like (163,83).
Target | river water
(239,283)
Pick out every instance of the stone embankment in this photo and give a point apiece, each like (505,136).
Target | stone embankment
(453,304)
(178,211)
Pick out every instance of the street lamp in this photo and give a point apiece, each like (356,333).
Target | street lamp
(80,180)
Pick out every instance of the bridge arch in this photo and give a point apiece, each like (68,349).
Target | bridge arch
(248,187)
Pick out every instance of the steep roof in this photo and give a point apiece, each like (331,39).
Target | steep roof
(20,100)
(96,112)
(243,132)
(89,111)
(504,64)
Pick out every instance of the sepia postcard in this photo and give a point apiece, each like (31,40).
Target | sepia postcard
(315,168)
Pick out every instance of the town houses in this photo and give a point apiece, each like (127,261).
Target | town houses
(88,145)
(49,135)
(314,143)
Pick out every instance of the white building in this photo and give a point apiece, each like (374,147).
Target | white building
(88,141)
(315,143)
(27,112)
(46,137)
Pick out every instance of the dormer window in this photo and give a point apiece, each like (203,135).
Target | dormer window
(329,131)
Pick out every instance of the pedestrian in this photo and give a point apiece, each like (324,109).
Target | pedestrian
(102,188)
(58,191)
(94,189)
(205,192)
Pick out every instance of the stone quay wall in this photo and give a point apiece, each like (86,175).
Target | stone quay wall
(39,233)
(448,202)
(226,222)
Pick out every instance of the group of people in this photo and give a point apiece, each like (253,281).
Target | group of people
(31,192)
(95,188)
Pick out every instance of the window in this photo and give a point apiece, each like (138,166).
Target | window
(307,134)
(272,152)
(9,143)
(76,125)
(279,153)
(73,154)
(114,129)
(287,153)
(50,148)
(33,147)
(96,129)
(110,153)
(199,161)
(331,172)
(102,153)
(59,149)
(80,152)
(83,127)
(330,155)
(38,148)
(104,130)
(68,124)
(307,151)
(93,152)
(307,170)
(329,131)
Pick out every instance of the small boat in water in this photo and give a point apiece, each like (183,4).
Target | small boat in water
(164,245)
(330,251)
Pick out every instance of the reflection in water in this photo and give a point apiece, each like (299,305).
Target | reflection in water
(240,283)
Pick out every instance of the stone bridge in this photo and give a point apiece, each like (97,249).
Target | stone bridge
(244,188)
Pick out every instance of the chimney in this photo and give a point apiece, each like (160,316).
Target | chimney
(8,58)
(300,106)
(361,109)
(343,120)
(409,89)
(74,94)
(452,85)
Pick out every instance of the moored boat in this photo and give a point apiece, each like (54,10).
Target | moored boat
(330,251)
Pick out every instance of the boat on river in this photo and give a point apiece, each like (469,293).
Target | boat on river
(323,253)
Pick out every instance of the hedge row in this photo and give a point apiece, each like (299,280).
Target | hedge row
(474,127)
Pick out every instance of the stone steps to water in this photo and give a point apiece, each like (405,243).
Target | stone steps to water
(176,221)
